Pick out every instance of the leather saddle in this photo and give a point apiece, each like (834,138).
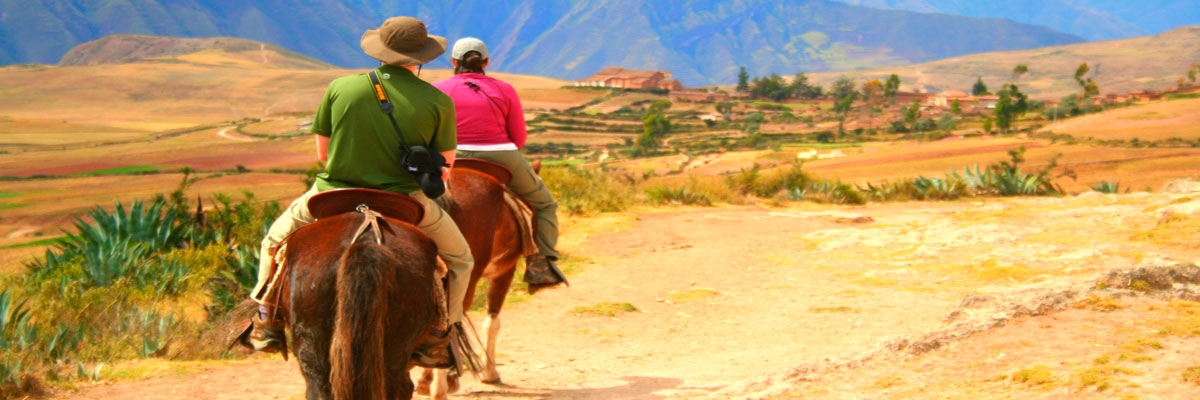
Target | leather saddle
(391,204)
(498,172)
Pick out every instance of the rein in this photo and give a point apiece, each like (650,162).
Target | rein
(370,220)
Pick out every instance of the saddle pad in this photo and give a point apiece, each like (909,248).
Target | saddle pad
(390,204)
(494,170)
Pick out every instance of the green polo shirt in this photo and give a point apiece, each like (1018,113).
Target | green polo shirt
(364,149)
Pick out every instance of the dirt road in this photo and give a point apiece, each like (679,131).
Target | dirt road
(734,294)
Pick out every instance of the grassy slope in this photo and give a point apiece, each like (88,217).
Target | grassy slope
(1146,122)
(1151,62)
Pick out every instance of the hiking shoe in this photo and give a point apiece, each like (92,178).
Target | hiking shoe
(541,272)
(264,336)
(433,350)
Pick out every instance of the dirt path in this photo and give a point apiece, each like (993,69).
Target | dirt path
(735,294)
(224,133)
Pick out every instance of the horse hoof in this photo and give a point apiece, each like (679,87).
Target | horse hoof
(452,384)
(491,380)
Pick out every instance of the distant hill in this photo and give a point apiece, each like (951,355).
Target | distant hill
(704,41)
(1092,19)
(1119,66)
(126,48)
(128,84)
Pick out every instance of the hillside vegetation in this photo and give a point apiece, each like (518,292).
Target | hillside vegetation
(126,48)
(1150,62)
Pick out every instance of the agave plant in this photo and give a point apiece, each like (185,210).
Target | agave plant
(938,189)
(14,319)
(155,226)
(1108,187)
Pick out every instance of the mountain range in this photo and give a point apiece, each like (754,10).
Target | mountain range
(1092,19)
(702,41)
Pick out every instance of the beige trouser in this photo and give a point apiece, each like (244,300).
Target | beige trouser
(436,224)
(527,184)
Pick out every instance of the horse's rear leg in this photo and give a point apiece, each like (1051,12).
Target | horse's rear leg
(424,382)
(497,291)
(492,326)
(443,384)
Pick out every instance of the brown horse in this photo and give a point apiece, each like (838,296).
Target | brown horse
(475,200)
(355,326)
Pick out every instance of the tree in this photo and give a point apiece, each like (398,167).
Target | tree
(955,107)
(912,114)
(655,125)
(659,106)
(1018,71)
(725,107)
(987,125)
(841,88)
(873,95)
(770,87)
(743,80)
(1192,76)
(843,95)
(1009,108)
(1090,88)
(751,122)
(800,88)
(891,87)
(980,89)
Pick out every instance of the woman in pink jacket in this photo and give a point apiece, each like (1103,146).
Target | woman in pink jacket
(491,126)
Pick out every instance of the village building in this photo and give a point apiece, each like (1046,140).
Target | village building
(615,77)
(946,99)
(909,97)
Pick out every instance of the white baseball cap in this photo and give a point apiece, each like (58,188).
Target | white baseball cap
(466,45)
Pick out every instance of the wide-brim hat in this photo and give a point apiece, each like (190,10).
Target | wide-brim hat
(402,41)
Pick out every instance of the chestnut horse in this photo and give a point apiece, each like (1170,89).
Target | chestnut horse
(355,325)
(475,200)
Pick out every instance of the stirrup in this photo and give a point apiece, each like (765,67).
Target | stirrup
(433,351)
(264,336)
(540,280)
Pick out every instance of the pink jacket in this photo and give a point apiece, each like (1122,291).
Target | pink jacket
(488,113)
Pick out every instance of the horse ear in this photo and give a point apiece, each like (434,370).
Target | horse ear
(537,166)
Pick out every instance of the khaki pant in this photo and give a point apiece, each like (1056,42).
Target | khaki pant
(436,224)
(527,184)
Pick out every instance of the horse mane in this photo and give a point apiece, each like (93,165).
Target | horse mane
(365,281)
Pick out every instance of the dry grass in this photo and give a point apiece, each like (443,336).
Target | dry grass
(1147,122)
(1132,167)
(605,309)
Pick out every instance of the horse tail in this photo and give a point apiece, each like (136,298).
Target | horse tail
(356,354)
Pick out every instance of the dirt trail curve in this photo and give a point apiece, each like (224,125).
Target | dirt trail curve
(224,133)
(725,296)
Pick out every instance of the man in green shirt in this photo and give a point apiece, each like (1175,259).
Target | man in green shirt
(362,150)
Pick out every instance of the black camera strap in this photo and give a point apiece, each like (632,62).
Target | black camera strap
(386,106)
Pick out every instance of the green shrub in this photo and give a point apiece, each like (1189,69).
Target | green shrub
(681,195)
(116,288)
(829,192)
(587,190)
